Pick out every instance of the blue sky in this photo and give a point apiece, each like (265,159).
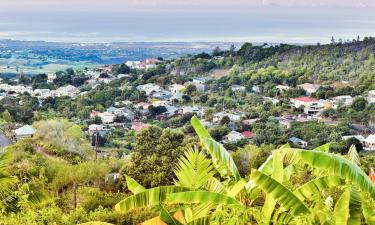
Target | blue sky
(294,21)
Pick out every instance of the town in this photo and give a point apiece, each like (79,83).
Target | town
(152,103)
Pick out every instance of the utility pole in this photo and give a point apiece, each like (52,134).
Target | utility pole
(75,194)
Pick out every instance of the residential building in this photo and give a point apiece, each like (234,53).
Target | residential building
(370,143)
(149,88)
(138,126)
(358,137)
(298,142)
(233,137)
(248,134)
(309,88)
(282,88)
(238,88)
(96,128)
(345,100)
(191,109)
(24,131)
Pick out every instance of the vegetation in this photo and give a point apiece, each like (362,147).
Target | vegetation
(292,186)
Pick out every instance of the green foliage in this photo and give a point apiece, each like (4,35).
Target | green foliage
(156,150)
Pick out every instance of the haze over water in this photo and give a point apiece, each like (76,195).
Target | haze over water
(190,20)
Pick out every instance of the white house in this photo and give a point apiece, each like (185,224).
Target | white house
(238,88)
(282,87)
(107,117)
(371,96)
(309,88)
(25,131)
(310,105)
(149,88)
(358,137)
(299,142)
(200,80)
(68,90)
(191,109)
(345,100)
(370,143)
(96,128)
(233,137)
(232,116)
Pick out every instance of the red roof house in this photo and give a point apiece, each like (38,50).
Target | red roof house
(138,126)
(248,134)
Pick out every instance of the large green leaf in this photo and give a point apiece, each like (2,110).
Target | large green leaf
(166,217)
(313,187)
(221,158)
(200,221)
(323,148)
(199,128)
(353,155)
(368,206)
(133,185)
(337,165)
(192,197)
(355,206)
(341,210)
(279,192)
(193,169)
(277,174)
(147,198)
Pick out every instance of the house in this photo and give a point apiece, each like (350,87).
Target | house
(51,77)
(68,90)
(129,115)
(238,88)
(115,111)
(298,142)
(248,134)
(143,105)
(138,126)
(309,88)
(274,101)
(149,88)
(107,117)
(162,95)
(250,122)
(199,86)
(200,80)
(282,88)
(370,143)
(358,137)
(96,128)
(232,116)
(371,97)
(152,61)
(305,101)
(233,137)
(171,111)
(345,100)
(191,109)
(176,88)
(255,89)
(24,131)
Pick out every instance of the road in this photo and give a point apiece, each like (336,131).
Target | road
(4,141)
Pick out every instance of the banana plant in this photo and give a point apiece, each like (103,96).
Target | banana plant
(209,189)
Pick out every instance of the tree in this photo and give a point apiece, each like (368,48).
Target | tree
(359,104)
(153,158)
(6,116)
(190,89)
(201,197)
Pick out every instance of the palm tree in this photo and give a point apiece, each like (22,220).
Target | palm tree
(210,190)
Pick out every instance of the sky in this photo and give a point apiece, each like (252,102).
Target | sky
(290,21)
